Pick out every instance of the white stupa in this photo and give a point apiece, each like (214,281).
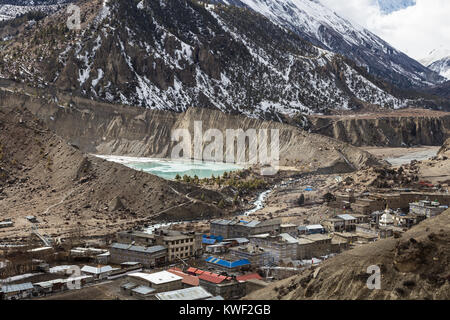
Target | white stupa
(387,219)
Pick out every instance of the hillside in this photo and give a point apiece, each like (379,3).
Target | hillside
(113,129)
(412,267)
(44,176)
(172,55)
(406,127)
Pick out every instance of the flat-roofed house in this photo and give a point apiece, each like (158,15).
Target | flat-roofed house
(349,222)
(149,257)
(239,228)
(160,281)
(136,237)
(334,225)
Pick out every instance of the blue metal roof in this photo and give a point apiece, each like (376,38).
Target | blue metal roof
(208,241)
(228,264)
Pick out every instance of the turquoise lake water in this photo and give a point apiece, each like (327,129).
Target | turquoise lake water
(168,169)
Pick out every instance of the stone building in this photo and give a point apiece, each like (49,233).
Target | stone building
(148,256)
(180,245)
(426,208)
(227,287)
(256,255)
(136,237)
(279,247)
(238,228)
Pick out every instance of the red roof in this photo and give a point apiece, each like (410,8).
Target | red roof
(214,278)
(249,276)
(192,270)
(187,278)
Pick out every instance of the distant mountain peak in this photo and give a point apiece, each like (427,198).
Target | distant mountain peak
(438,60)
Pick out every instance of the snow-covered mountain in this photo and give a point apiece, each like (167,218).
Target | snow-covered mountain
(323,27)
(175,54)
(389,6)
(10,9)
(438,60)
(435,55)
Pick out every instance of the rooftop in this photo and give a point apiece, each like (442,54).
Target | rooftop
(316,237)
(228,264)
(288,238)
(249,276)
(141,249)
(143,290)
(158,277)
(16,287)
(346,217)
(314,227)
(97,270)
(187,278)
(194,293)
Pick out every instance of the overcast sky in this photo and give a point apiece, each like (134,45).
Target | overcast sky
(415,30)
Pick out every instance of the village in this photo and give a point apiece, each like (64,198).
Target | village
(227,260)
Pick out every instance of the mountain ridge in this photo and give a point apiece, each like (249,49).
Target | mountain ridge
(171,55)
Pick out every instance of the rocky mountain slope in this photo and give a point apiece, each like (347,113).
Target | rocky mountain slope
(108,129)
(412,267)
(170,55)
(10,9)
(42,175)
(323,27)
(408,127)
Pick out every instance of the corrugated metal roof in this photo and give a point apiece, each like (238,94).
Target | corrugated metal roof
(239,240)
(252,224)
(143,290)
(194,293)
(17,287)
(288,238)
(152,249)
(208,241)
(346,217)
(314,226)
(95,270)
(129,285)
(228,264)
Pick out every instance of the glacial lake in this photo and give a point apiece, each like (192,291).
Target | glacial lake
(168,169)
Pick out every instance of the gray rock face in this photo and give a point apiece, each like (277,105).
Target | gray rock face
(320,25)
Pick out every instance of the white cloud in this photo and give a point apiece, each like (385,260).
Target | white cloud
(415,30)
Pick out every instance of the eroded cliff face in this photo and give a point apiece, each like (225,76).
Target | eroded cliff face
(109,129)
(445,149)
(396,129)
